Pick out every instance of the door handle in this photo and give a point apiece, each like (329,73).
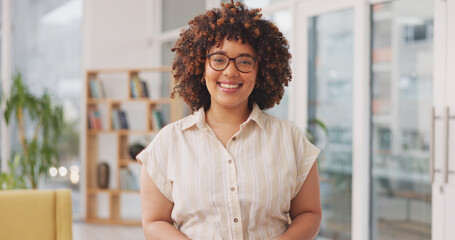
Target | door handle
(432,146)
(447,118)
(446,143)
(432,132)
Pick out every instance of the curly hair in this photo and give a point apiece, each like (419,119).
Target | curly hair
(231,21)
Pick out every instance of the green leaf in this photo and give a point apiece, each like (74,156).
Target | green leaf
(45,117)
(12,180)
(320,124)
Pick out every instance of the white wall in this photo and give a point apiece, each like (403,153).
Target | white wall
(115,33)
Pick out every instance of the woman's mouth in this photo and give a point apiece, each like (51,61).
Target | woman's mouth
(229,86)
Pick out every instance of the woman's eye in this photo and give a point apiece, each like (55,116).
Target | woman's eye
(219,60)
(245,62)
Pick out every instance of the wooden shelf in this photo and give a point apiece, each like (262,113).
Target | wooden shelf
(129,100)
(129,70)
(108,104)
(110,191)
(100,190)
(124,191)
(126,162)
(121,131)
(111,221)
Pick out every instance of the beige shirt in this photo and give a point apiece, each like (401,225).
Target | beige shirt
(241,191)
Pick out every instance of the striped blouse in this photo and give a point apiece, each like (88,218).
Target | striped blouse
(241,191)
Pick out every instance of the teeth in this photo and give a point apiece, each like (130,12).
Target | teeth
(229,85)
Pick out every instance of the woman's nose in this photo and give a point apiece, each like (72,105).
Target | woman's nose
(231,70)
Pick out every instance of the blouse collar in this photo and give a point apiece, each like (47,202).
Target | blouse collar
(198,118)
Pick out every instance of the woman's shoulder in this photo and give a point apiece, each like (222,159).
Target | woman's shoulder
(169,133)
(179,125)
(273,121)
(282,127)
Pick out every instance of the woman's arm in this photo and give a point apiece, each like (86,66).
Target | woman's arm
(156,211)
(305,209)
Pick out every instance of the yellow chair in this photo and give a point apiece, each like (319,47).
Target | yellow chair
(35,214)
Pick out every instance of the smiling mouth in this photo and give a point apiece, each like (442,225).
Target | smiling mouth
(229,86)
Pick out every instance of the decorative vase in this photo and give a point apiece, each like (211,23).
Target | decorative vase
(103,175)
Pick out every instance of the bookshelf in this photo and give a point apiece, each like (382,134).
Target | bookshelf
(140,95)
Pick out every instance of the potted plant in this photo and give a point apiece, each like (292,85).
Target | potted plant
(44,120)
(310,131)
(12,180)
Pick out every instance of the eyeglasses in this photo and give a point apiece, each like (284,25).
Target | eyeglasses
(219,62)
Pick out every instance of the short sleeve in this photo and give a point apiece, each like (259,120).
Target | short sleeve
(155,160)
(306,154)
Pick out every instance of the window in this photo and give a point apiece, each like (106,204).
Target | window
(418,31)
(402,56)
(46,49)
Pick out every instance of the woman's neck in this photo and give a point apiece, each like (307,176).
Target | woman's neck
(227,116)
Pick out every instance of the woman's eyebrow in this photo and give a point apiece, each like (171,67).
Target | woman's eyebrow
(246,54)
(219,51)
(241,54)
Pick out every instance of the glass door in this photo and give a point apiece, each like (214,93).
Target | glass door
(449,170)
(368,95)
(443,137)
(401,103)
(328,45)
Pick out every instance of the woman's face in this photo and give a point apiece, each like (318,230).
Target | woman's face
(230,88)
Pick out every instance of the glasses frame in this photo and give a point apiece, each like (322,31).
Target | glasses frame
(233,60)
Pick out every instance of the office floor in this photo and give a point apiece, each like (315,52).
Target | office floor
(88,231)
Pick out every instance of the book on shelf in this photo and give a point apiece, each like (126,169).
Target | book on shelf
(128,180)
(94,119)
(123,119)
(133,89)
(144,89)
(96,88)
(139,88)
(115,119)
(157,119)
(119,119)
(93,93)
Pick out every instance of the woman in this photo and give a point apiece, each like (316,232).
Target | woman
(229,170)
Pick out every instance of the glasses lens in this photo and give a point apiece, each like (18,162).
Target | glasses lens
(218,61)
(244,63)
